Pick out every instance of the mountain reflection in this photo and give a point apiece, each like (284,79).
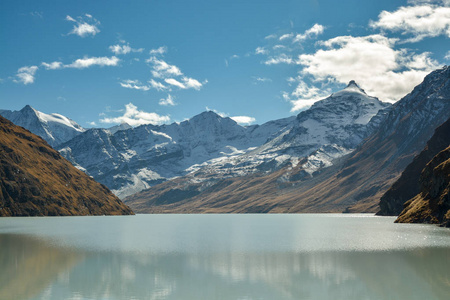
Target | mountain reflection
(41,272)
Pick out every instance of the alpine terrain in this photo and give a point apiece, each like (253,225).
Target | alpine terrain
(353,183)
(35,180)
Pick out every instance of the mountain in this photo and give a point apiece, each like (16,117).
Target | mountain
(352,183)
(408,185)
(36,180)
(133,159)
(319,138)
(432,204)
(54,128)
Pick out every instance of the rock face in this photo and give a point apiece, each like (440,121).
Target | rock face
(432,204)
(54,128)
(408,185)
(35,180)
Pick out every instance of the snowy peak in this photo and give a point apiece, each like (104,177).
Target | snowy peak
(54,128)
(354,87)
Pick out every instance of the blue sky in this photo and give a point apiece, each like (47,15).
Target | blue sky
(104,62)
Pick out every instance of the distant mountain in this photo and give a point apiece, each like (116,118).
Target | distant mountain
(133,159)
(54,128)
(432,204)
(330,129)
(408,185)
(36,180)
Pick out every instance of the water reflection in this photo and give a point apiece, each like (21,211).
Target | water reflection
(117,262)
(50,273)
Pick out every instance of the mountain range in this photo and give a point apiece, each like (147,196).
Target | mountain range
(342,154)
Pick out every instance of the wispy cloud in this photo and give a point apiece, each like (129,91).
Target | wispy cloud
(26,74)
(53,65)
(419,21)
(87,62)
(134,84)
(261,50)
(314,31)
(159,51)
(161,69)
(136,117)
(447,55)
(84,25)
(280,59)
(157,85)
(168,101)
(123,48)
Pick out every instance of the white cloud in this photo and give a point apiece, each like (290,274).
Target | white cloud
(87,62)
(272,36)
(136,117)
(420,21)
(134,84)
(280,59)
(84,27)
(261,50)
(123,49)
(167,101)
(370,60)
(286,36)
(447,55)
(92,123)
(243,120)
(192,83)
(161,69)
(312,32)
(304,95)
(157,85)
(161,50)
(175,82)
(25,75)
(53,65)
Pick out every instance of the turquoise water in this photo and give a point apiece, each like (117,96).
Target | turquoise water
(313,256)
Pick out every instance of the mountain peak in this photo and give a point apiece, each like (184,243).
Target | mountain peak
(353,86)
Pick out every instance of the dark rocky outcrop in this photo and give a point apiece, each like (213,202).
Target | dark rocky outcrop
(35,180)
(432,204)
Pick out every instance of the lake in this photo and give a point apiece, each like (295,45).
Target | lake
(304,256)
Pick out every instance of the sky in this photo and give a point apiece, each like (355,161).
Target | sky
(102,63)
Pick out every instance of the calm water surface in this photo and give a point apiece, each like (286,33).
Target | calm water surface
(222,257)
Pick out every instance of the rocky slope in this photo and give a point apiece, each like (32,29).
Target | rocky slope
(432,204)
(353,183)
(408,185)
(36,180)
(54,128)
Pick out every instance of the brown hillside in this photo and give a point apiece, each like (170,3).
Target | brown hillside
(36,181)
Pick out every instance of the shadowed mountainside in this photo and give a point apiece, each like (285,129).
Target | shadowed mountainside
(432,204)
(408,185)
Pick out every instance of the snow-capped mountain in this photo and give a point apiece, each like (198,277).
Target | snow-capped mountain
(330,129)
(133,159)
(354,184)
(54,128)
